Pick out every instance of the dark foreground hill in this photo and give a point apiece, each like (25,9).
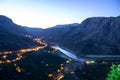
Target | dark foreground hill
(96,35)
(12,36)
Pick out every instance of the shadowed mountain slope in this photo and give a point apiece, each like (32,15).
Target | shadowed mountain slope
(96,35)
(12,36)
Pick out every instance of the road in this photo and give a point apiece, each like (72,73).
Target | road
(19,54)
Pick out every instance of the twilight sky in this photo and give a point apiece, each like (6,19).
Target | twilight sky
(48,13)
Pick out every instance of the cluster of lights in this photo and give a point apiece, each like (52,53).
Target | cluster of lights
(90,62)
(18,69)
(60,77)
(22,51)
(61,68)
(19,54)
(6,52)
(39,41)
(55,49)
(60,71)
(32,49)
(69,60)
(50,75)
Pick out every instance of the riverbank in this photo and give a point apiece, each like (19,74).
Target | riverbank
(70,54)
(67,53)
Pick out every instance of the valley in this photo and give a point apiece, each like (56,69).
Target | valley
(66,65)
(64,52)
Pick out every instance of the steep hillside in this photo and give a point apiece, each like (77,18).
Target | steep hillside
(12,35)
(96,35)
(8,25)
(58,32)
(33,31)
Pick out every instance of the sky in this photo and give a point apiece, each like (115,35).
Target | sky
(48,13)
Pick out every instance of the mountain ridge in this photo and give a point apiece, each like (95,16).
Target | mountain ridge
(12,36)
(95,35)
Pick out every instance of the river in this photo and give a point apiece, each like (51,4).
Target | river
(69,54)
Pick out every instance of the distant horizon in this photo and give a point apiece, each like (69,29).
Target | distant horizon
(49,13)
(56,24)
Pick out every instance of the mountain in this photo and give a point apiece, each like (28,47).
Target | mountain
(58,32)
(8,25)
(95,35)
(12,36)
(98,35)
(33,31)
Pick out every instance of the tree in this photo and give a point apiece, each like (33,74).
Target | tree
(114,73)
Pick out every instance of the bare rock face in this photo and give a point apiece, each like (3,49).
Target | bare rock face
(101,29)
(105,32)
